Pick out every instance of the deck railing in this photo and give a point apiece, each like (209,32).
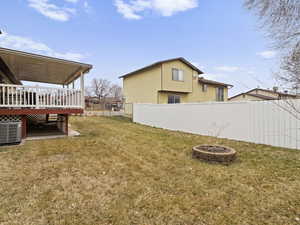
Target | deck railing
(39,97)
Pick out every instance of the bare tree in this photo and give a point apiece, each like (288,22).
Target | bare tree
(88,92)
(100,88)
(116,91)
(281,19)
(290,76)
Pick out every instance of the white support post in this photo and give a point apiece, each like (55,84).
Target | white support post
(37,97)
(82,90)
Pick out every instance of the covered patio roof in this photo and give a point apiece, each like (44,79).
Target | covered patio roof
(38,68)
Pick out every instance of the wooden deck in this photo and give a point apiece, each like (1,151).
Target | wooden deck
(62,111)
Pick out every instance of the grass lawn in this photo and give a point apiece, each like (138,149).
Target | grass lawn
(119,172)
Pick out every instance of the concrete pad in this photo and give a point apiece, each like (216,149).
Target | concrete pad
(44,137)
(73,133)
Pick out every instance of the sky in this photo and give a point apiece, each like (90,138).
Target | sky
(222,38)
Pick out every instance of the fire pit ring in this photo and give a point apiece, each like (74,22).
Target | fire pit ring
(214,153)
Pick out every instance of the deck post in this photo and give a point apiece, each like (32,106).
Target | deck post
(37,97)
(24,126)
(66,128)
(62,123)
(82,90)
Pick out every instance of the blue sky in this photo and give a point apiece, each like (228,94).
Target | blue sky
(117,36)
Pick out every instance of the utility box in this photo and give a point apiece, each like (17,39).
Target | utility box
(10,132)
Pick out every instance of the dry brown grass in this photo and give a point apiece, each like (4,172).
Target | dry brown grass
(118,172)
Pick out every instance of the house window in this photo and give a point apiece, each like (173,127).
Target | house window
(177,75)
(204,87)
(173,99)
(220,94)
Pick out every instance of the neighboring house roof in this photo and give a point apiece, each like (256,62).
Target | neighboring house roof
(263,97)
(38,68)
(274,92)
(205,81)
(161,62)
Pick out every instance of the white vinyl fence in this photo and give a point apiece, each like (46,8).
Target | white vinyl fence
(274,123)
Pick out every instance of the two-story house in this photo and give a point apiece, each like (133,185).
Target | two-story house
(168,82)
(259,94)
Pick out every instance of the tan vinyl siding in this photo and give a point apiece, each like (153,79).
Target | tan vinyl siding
(209,96)
(178,86)
(142,87)
(155,84)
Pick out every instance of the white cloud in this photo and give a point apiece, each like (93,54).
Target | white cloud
(169,7)
(129,11)
(72,1)
(228,68)
(214,76)
(267,54)
(51,10)
(133,9)
(29,45)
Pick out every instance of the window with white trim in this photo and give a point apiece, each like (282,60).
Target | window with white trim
(177,75)
(173,99)
(204,87)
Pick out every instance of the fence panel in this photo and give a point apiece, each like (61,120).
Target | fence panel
(263,122)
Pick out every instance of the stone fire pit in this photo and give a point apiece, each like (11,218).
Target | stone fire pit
(214,153)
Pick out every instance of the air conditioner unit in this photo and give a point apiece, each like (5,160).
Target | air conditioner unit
(10,132)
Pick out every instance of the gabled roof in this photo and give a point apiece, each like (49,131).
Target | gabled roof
(205,81)
(271,91)
(161,62)
(38,68)
(263,97)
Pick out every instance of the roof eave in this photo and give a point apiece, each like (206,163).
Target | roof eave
(211,82)
(161,62)
(81,68)
(12,51)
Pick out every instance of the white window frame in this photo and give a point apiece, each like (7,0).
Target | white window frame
(174,97)
(179,76)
